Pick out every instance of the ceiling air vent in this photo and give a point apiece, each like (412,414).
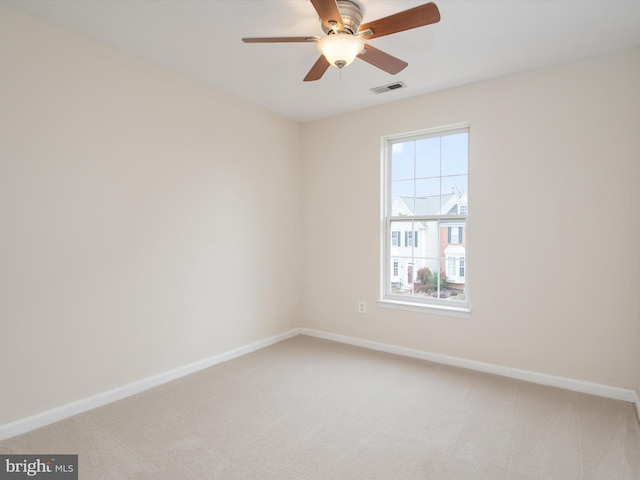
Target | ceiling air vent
(388,88)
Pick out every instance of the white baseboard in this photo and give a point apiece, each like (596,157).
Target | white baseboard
(51,416)
(529,376)
(56,414)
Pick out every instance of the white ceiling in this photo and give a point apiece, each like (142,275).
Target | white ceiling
(475,40)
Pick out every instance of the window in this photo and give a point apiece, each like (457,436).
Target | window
(395,239)
(425,203)
(451,267)
(455,270)
(410,239)
(455,234)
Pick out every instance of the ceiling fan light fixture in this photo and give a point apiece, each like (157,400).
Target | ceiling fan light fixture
(340,49)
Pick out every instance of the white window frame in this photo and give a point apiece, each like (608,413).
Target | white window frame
(454,308)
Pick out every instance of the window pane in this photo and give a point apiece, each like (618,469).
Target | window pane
(427,197)
(428,157)
(454,193)
(403,235)
(450,290)
(397,277)
(402,276)
(428,187)
(457,184)
(402,197)
(426,278)
(402,162)
(455,154)
(427,236)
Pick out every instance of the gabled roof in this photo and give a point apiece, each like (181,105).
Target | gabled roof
(451,204)
(433,205)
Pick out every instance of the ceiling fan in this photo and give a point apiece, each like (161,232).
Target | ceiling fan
(345,34)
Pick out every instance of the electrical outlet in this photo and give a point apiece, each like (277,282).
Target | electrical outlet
(362,307)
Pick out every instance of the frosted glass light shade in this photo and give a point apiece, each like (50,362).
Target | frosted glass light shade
(340,49)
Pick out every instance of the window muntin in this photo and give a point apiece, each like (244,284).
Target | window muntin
(426,199)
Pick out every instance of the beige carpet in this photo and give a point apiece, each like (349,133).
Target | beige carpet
(312,409)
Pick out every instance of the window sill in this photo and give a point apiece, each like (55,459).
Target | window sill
(442,310)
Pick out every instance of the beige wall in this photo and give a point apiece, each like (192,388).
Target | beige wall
(146,221)
(554,228)
(141,230)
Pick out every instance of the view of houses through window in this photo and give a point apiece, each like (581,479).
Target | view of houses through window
(426,208)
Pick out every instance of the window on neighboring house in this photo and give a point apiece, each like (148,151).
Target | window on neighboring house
(425,190)
(395,239)
(454,234)
(455,270)
(410,239)
(451,267)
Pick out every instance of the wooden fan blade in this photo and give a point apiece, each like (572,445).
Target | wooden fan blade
(382,60)
(317,70)
(279,39)
(329,13)
(414,17)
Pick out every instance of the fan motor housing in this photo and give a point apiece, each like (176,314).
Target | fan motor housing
(351,17)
